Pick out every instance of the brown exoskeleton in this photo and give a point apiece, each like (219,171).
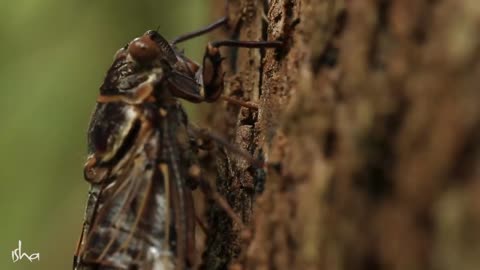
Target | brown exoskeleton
(140,212)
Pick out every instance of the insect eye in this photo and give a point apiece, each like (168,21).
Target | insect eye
(143,49)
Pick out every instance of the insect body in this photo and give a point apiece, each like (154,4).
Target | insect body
(139,212)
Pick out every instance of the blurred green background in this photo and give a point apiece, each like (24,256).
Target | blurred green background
(54,54)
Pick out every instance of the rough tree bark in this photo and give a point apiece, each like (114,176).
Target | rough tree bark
(371,114)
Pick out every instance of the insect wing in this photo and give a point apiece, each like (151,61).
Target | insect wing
(185,87)
(125,224)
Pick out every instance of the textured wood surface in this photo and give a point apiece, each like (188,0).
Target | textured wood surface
(372,110)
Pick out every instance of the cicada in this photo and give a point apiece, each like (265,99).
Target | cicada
(140,212)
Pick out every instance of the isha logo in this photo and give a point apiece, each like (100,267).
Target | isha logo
(17,254)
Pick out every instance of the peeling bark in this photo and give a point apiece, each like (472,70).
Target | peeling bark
(370,118)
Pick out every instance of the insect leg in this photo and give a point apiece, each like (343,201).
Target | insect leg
(212,72)
(206,137)
(202,225)
(196,174)
(205,30)
(202,31)
(247,44)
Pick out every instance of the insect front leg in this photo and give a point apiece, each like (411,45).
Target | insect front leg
(212,73)
(224,21)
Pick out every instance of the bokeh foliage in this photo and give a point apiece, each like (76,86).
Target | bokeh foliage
(54,55)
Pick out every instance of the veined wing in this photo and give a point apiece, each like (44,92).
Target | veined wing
(127,219)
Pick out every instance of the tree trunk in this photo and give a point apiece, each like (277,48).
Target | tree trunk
(369,119)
